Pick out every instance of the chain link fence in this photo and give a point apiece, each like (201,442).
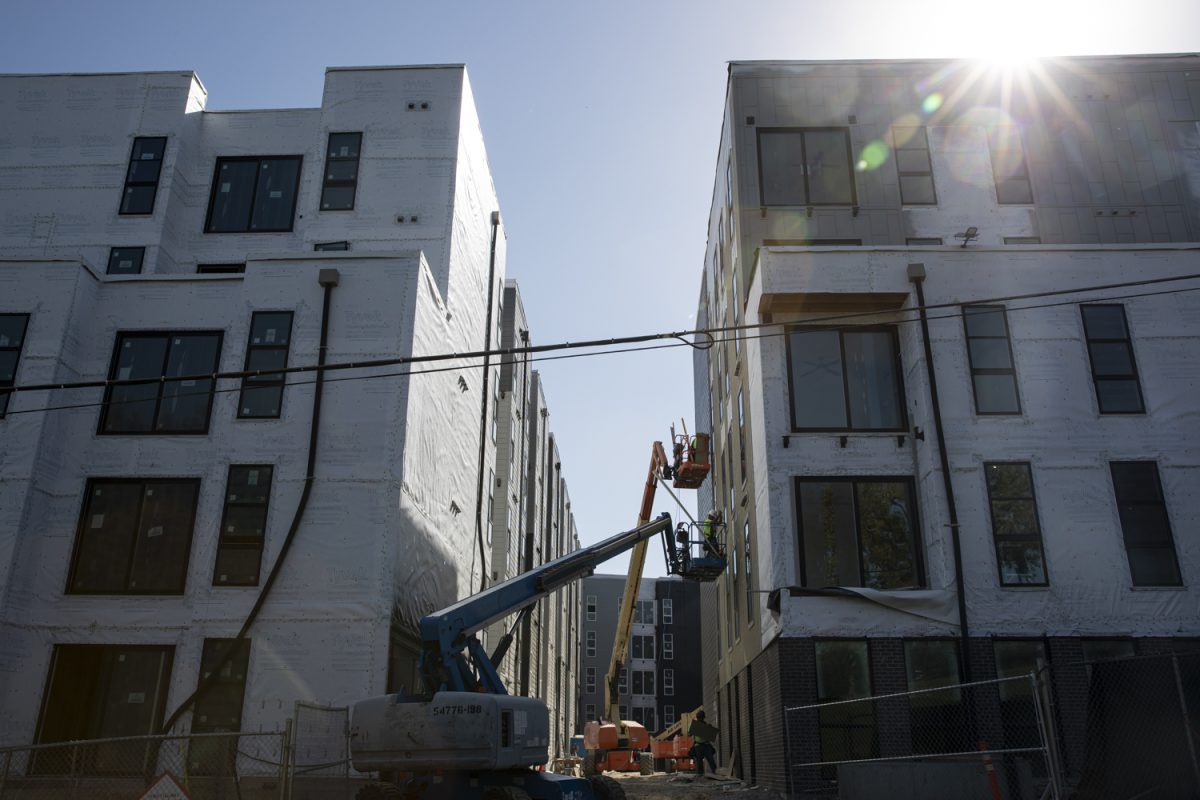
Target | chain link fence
(204,765)
(987,739)
(1140,718)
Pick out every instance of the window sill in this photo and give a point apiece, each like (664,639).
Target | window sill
(1158,588)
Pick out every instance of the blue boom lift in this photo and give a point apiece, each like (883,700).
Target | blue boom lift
(467,737)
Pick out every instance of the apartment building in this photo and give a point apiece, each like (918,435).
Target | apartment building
(142,525)
(942,458)
(660,677)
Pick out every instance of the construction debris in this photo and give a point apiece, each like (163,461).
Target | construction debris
(686,785)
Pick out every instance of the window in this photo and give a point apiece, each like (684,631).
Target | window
(805,166)
(989,352)
(1110,350)
(623,683)
(624,712)
(751,606)
(922,241)
(254,194)
(340,246)
(1008,167)
(270,336)
(103,691)
(669,682)
(643,647)
(858,532)
(341,172)
(220,269)
(1018,658)
(1015,527)
(589,679)
(644,613)
(219,709)
(591,608)
(668,646)
(668,715)
(12,338)
(134,536)
(178,406)
(845,380)
(243,526)
(1149,544)
(847,730)
(643,681)
(589,712)
(491,502)
(913,166)
(938,718)
(591,644)
(741,412)
(668,610)
(125,260)
(141,179)
(1022,240)
(1101,649)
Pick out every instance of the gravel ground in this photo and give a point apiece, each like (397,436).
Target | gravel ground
(662,786)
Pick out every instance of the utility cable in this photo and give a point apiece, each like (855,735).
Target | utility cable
(734,330)
(591,343)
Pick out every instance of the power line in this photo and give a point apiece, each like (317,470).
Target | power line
(531,357)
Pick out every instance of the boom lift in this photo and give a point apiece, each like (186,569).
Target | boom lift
(613,745)
(466,736)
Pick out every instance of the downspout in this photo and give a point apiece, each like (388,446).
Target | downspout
(916,275)
(328,278)
(483,405)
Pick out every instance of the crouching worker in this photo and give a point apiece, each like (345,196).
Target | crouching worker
(703,736)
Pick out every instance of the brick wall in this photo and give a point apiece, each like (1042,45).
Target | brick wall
(892,717)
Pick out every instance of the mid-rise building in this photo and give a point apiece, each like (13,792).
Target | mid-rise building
(942,449)
(142,525)
(660,678)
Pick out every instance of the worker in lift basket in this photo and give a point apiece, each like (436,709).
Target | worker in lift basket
(711,527)
(702,748)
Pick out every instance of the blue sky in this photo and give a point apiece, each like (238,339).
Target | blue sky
(601,122)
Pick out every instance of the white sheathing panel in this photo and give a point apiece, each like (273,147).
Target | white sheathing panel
(1060,431)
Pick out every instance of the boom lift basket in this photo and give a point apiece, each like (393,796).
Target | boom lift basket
(696,551)
(690,460)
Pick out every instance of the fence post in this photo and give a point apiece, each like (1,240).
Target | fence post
(1187,725)
(285,770)
(1041,707)
(787,754)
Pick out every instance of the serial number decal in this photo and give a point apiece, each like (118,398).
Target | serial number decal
(469,708)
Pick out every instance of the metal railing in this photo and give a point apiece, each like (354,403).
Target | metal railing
(991,738)
(205,765)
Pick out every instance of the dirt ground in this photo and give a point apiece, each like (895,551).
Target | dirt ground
(677,786)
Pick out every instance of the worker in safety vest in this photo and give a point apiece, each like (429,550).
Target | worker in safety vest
(702,748)
(711,529)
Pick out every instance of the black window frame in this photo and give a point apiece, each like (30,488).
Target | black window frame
(131,184)
(918,548)
(1026,537)
(839,715)
(277,380)
(17,349)
(803,131)
(898,367)
(82,528)
(138,255)
(234,673)
(327,180)
(923,135)
(1010,371)
(259,160)
(220,269)
(938,719)
(923,241)
(244,542)
(112,376)
(1133,375)
(997,139)
(1124,518)
(86,719)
